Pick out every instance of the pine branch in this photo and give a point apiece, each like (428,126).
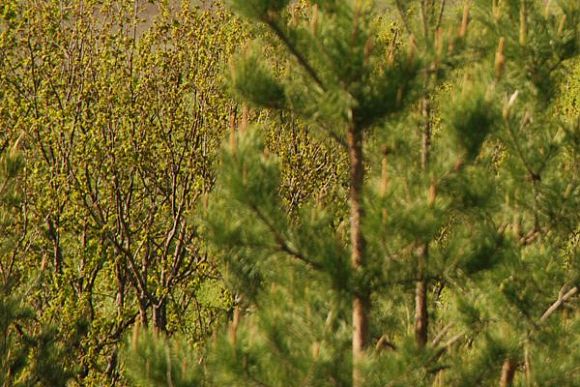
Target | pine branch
(445,347)
(514,138)
(441,334)
(558,303)
(294,51)
(383,344)
(281,241)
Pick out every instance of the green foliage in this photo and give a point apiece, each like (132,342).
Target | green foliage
(482,208)
(118,208)
(122,117)
(258,9)
(251,81)
(166,363)
(471,118)
(29,355)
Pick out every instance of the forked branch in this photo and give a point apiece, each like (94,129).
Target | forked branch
(558,303)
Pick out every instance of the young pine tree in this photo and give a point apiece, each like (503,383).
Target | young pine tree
(462,224)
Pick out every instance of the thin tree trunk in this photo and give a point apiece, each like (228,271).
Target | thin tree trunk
(53,232)
(421,313)
(160,316)
(384,179)
(143,311)
(360,303)
(426,135)
(234,325)
(508,371)
(120,299)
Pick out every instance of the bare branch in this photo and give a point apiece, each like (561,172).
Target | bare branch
(558,303)
(445,347)
(441,334)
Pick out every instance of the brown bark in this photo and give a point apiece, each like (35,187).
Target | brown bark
(385,179)
(144,321)
(160,316)
(54,235)
(360,304)
(245,119)
(233,125)
(508,371)
(234,325)
(421,313)
(527,365)
(120,278)
(426,137)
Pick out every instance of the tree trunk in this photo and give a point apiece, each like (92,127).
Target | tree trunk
(508,371)
(54,234)
(421,313)
(234,325)
(360,304)
(160,316)
(143,311)
(120,299)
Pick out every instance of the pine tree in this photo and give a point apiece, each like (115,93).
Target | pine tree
(463,200)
